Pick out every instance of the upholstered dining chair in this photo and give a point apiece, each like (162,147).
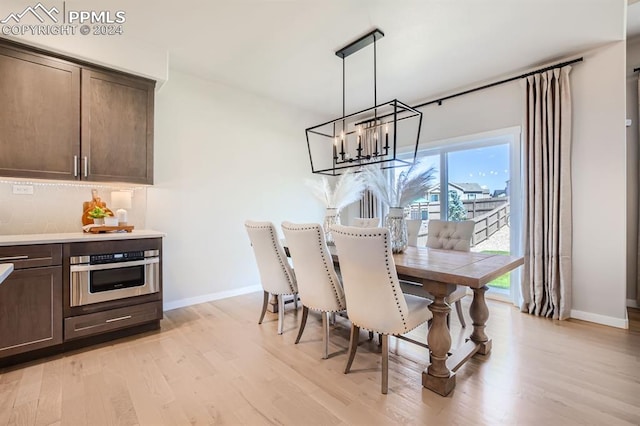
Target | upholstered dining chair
(276,275)
(449,235)
(318,284)
(375,301)
(366,222)
(413,229)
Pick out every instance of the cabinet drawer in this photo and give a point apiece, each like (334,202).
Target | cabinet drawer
(33,256)
(114,319)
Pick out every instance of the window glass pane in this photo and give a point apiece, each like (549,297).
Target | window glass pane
(428,206)
(478,174)
(480,178)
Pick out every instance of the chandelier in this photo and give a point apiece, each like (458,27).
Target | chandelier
(370,136)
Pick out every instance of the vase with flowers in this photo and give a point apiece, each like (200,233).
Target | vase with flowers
(398,193)
(348,189)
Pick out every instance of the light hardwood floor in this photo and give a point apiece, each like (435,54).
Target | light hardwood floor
(213,364)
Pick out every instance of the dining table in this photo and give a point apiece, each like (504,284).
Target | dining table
(434,274)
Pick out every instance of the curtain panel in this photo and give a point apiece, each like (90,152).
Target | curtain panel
(546,284)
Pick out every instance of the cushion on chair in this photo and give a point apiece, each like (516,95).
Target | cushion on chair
(447,236)
(419,312)
(450,235)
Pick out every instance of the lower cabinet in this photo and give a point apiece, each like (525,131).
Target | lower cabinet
(37,316)
(113,319)
(30,310)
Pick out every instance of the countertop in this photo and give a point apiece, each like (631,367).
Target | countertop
(75,237)
(5,270)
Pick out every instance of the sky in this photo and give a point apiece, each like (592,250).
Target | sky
(487,166)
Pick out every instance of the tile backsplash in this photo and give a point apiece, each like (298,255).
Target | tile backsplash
(57,206)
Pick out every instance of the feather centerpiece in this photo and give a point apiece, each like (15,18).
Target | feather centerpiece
(348,189)
(410,185)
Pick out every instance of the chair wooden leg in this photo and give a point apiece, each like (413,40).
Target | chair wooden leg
(459,311)
(325,334)
(333,318)
(265,303)
(305,314)
(385,363)
(371,335)
(295,301)
(280,313)
(353,346)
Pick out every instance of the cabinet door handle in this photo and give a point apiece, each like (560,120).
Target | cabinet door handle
(8,258)
(86,166)
(75,166)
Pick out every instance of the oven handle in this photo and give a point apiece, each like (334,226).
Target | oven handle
(117,265)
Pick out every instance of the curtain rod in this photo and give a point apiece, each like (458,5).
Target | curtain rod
(508,80)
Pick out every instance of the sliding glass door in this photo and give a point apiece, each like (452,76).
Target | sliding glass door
(479,180)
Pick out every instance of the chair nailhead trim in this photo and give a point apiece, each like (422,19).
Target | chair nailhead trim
(318,229)
(388,266)
(289,278)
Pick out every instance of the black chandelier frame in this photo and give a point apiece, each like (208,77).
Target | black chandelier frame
(380,150)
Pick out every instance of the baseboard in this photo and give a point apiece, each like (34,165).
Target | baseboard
(632,303)
(167,306)
(600,319)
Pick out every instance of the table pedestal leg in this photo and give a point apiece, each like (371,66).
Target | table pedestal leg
(273,304)
(479,313)
(437,376)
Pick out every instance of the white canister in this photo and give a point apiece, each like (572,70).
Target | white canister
(121,215)
(110,221)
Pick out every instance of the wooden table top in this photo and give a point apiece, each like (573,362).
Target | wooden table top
(452,267)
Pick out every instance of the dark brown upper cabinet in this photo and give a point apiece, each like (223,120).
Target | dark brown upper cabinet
(117,127)
(74,121)
(39,117)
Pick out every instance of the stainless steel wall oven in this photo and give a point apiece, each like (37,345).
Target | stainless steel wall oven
(112,276)
(112,285)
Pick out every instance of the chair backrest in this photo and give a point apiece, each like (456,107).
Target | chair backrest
(366,222)
(413,229)
(318,284)
(276,274)
(450,235)
(374,297)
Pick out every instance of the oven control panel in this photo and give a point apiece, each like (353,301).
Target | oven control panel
(97,259)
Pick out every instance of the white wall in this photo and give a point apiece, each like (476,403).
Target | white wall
(495,108)
(599,166)
(222,156)
(633,61)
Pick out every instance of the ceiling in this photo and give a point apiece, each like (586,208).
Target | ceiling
(284,49)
